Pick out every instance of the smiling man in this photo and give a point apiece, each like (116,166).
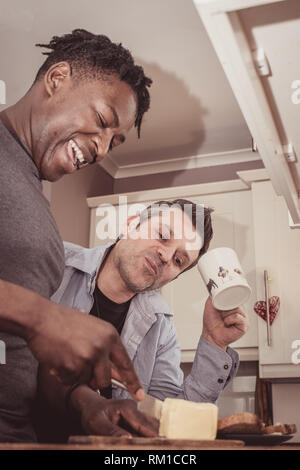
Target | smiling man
(86,97)
(119,283)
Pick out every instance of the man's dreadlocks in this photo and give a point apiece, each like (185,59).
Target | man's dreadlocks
(95,56)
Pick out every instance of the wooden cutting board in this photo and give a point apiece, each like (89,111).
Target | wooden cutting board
(148,442)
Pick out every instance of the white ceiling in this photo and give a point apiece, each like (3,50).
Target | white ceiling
(193,110)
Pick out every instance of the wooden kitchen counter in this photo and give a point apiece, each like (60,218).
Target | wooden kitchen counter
(127,447)
(110,443)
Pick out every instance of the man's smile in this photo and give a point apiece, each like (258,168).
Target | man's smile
(78,158)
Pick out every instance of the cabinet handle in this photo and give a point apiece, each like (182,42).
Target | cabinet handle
(266,279)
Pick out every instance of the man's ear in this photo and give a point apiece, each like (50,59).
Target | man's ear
(56,76)
(130,224)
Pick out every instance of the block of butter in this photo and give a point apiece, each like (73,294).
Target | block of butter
(181,419)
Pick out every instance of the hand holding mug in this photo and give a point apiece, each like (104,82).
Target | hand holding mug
(223,327)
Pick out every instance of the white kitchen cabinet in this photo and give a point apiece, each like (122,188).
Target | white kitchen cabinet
(233,227)
(277,250)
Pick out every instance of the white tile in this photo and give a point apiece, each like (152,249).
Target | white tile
(244,384)
(251,405)
(231,405)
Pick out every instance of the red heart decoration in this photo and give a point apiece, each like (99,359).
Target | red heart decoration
(261,310)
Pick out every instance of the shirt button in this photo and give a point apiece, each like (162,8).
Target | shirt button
(220,381)
(226,366)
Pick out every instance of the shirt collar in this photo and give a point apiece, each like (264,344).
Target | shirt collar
(89,260)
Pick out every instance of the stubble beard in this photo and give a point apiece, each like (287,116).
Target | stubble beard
(129,282)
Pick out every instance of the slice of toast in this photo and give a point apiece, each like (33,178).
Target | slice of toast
(249,423)
(243,423)
(281,428)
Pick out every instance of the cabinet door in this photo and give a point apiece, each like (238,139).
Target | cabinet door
(233,227)
(277,248)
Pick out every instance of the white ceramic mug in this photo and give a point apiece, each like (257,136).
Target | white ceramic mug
(224,278)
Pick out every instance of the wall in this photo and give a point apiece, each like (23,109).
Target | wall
(69,205)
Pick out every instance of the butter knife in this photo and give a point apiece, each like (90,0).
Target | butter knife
(150,405)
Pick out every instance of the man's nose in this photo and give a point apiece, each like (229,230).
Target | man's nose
(102,145)
(165,254)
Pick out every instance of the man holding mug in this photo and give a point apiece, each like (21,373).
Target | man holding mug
(120,284)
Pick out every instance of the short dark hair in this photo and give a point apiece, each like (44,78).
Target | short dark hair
(96,56)
(200,216)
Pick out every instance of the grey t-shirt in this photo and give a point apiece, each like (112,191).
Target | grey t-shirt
(32,256)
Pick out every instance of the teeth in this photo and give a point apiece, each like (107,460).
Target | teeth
(78,152)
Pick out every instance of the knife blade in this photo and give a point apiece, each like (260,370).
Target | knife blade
(150,405)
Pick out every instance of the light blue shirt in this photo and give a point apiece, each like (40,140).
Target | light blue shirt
(149,336)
